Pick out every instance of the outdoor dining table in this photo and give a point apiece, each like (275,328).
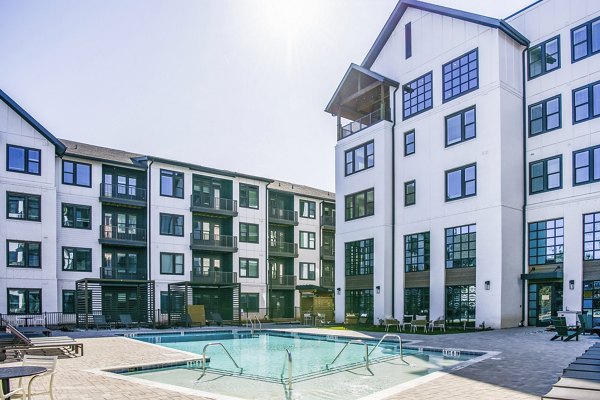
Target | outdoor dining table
(6,374)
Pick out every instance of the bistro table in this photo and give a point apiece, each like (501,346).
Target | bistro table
(26,319)
(17,372)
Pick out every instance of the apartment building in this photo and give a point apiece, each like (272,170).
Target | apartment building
(93,230)
(465,167)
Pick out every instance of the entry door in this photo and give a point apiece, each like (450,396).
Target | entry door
(277,306)
(545,300)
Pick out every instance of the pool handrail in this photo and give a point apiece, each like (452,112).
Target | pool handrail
(288,358)
(399,340)
(355,341)
(204,358)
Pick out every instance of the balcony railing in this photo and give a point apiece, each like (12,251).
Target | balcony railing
(283,216)
(328,252)
(283,249)
(362,123)
(212,277)
(283,281)
(328,221)
(124,234)
(327,281)
(140,273)
(110,191)
(217,205)
(205,240)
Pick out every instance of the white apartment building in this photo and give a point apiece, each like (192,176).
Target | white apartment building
(468,167)
(93,230)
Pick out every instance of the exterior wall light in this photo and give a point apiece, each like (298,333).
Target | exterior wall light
(378,289)
(572,284)
(487,285)
(339,291)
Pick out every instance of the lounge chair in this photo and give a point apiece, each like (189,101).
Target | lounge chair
(100,322)
(22,344)
(391,321)
(48,362)
(420,321)
(126,321)
(584,327)
(32,331)
(438,323)
(563,332)
(217,319)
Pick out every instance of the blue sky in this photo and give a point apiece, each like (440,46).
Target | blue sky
(233,84)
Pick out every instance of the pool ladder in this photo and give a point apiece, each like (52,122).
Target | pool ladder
(288,362)
(251,321)
(204,358)
(355,341)
(392,336)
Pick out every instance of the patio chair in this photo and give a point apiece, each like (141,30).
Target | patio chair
(362,320)
(126,321)
(320,319)
(350,319)
(406,321)
(582,323)
(391,321)
(308,319)
(420,321)
(563,332)
(18,392)
(217,319)
(48,362)
(100,322)
(438,323)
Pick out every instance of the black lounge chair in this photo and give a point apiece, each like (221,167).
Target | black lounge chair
(126,321)
(217,319)
(563,332)
(100,322)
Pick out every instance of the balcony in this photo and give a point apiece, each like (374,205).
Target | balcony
(328,222)
(203,203)
(212,277)
(203,240)
(122,195)
(327,281)
(139,274)
(363,123)
(123,235)
(283,249)
(282,216)
(328,253)
(283,282)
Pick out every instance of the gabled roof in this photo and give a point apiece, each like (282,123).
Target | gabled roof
(401,7)
(59,147)
(98,153)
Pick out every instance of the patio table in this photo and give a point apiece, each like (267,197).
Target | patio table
(17,372)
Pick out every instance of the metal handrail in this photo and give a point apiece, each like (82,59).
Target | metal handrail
(204,358)
(399,340)
(259,323)
(355,341)
(289,368)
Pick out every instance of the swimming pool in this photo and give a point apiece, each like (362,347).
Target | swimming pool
(264,368)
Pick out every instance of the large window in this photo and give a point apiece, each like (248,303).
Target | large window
(410,193)
(409,143)
(360,301)
(76,173)
(586,102)
(461,75)
(544,116)
(460,304)
(460,126)
(586,165)
(77,259)
(171,263)
(461,182)
(248,196)
(171,183)
(461,246)
(546,240)
(591,236)
(249,267)
(171,224)
(24,301)
(23,159)
(307,240)
(360,158)
(417,96)
(359,205)
(416,252)
(249,302)
(585,40)
(359,257)
(545,175)
(21,254)
(76,216)
(544,57)
(248,232)
(416,301)
(307,271)
(68,301)
(308,209)
(23,206)
(591,300)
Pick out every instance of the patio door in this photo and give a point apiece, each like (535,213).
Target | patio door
(545,300)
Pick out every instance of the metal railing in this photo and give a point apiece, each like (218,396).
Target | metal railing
(283,214)
(202,200)
(394,336)
(362,123)
(288,362)
(328,251)
(328,220)
(356,341)
(288,281)
(115,273)
(327,281)
(283,249)
(208,239)
(121,191)
(204,358)
(199,276)
(130,233)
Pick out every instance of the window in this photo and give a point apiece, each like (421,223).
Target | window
(359,257)
(78,174)
(68,301)
(586,102)
(407,41)
(544,116)
(409,142)
(164,302)
(546,240)
(171,183)
(417,96)
(23,159)
(545,175)
(23,254)
(416,301)
(460,126)
(171,224)
(307,271)
(249,267)
(171,263)
(359,205)
(591,300)
(591,236)
(410,189)
(461,75)
(77,259)
(24,301)
(461,182)
(360,158)
(23,206)
(249,302)
(416,252)
(460,246)
(76,216)
(586,165)
(585,40)
(360,301)
(308,209)
(460,304)
(248,232)
(307,240)
(544,57)
(248,196)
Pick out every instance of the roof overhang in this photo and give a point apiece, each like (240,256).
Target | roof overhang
(314,289)
(543,275)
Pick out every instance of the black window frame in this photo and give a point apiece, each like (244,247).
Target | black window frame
(75,208)
(408,200)
(308,238)
(361,251)
(415,296)
(245,238)
(76,173)
(366,157)
(543,57)
(593,155)
(307,265)
(244,305)
(245,198)
(369,211)
(174,176)
(312,209)
(246,268)
(26,159)
(534,239)
(463,125)
(464,182)
(26,296)
(26,198)
(407,144)
(172,225)
(545,115)
(545,175)
(471,241)
(591,100)
(76,251)
(591,235)
(174,263)
(26,252)
(414,261)
(589,40)
(412,90)
(449,68)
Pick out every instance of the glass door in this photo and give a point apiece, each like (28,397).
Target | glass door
(545,300)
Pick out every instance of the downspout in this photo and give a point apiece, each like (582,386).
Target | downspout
(267,262)
(524,211)
(394,205)
(149,224)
